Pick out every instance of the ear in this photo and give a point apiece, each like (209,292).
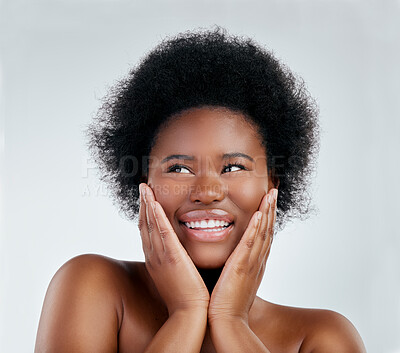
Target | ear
(274,178)
(143,179)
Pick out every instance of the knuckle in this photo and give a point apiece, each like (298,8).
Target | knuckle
(163,233)
(150,227)
(250,243)
(172,259)
(264,235)
(141,224)
(240,270)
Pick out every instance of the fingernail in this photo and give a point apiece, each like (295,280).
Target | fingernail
(144,193)
(275,193)
(268,198)
(149,194)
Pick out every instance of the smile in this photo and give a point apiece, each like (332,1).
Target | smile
(207,230)
(208,225)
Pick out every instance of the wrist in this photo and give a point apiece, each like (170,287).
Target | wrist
(227,321)
(200,313)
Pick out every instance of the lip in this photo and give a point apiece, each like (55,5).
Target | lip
(207,214)
(210,237)
(212,213)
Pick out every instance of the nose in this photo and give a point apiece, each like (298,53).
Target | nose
(207,189)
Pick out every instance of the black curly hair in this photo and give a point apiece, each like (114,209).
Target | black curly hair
(207,68)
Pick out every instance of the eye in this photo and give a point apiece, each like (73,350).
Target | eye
(234,165)
(176,168)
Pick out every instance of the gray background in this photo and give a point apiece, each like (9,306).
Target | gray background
(58,58)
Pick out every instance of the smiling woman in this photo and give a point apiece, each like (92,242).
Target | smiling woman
(195,144)
(226,171)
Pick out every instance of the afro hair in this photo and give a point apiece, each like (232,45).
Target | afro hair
(208,68)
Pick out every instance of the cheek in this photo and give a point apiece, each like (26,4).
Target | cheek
(247,195)
(169,195)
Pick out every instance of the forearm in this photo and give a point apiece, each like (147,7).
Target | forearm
(235,336)
(182,332)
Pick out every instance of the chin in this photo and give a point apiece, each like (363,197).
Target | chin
(208,262)
(208,255)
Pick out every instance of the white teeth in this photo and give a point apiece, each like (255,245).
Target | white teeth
(204,224)
(211,224)
(213,230)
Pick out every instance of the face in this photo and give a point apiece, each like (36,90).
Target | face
(209,164)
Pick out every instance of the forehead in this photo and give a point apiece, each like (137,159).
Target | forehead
(202,131)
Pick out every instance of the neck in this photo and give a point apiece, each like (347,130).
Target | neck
(210,277)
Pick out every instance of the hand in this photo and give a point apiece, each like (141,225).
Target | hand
(172,270)
(234,293)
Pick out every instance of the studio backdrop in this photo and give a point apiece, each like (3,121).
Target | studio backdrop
(58,59)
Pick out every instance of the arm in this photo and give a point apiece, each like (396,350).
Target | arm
(81,311)
(235,336)
(176,278)
(234,293)
(182,332)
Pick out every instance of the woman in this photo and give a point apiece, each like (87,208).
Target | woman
(195,144)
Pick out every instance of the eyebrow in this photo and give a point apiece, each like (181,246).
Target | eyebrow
(237,154)
(191,158)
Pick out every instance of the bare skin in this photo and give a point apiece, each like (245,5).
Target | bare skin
(191,295)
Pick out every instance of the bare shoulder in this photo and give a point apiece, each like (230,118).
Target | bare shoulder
(89,272)
(313,330)
(83,309)
(91,263)
(330,331)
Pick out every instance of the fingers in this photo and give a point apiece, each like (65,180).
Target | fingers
(158,231)
(271,226)
(261,236)
(157,245)
(268,231)
(170,267)
(257,241)
(246,244)
(172,245)
(142,224)
(155,239)
(264,208)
